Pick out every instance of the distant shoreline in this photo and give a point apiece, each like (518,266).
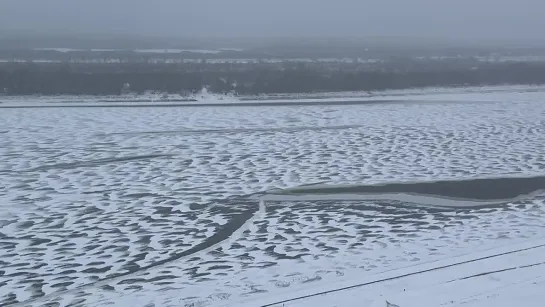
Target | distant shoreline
(436,95)
(325,102)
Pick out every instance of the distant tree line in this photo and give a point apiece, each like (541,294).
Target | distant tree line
(111,79)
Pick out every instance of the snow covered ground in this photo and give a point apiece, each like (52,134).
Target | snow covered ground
(506,276)
(166,207)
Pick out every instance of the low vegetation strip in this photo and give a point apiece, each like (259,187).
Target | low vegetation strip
(256,78)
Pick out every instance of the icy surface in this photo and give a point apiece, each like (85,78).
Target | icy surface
(503,276)
(158,205)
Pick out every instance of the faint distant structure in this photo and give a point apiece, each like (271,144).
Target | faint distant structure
(126,88)
(185,93)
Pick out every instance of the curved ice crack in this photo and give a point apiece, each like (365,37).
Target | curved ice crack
(226,234)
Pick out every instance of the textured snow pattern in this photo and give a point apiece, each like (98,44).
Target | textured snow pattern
(156,205)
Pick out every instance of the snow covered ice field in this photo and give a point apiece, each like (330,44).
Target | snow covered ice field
(173,206)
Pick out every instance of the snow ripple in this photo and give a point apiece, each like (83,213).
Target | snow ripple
(99,203)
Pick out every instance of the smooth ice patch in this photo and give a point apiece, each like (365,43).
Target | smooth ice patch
(464,193)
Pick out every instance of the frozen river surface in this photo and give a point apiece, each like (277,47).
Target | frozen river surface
(168,206)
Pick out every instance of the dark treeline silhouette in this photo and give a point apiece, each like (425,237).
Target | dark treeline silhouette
(112,79)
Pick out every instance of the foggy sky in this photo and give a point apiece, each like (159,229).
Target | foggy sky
(508,20)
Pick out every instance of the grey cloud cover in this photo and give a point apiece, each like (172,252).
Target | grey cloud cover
(470,19)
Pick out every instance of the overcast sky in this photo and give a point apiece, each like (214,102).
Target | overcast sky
(457,19)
